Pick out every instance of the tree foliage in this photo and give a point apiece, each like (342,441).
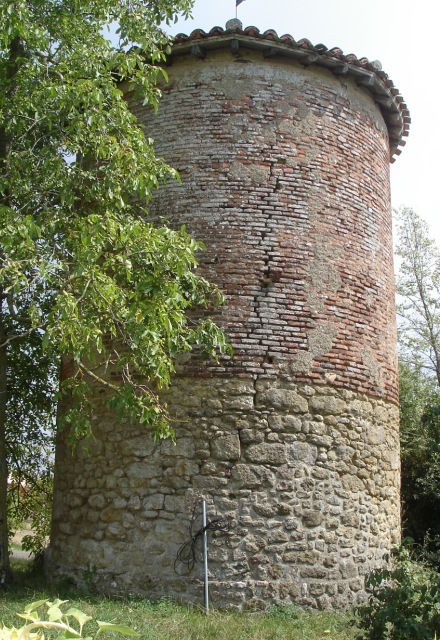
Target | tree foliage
(82,270)
(30,426)
(420,455)
(418,289)
(404,602)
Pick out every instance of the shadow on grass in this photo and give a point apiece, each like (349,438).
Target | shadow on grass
(29,579)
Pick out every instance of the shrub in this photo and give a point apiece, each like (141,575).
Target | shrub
(404,602)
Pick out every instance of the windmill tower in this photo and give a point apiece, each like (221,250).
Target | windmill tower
(283,149)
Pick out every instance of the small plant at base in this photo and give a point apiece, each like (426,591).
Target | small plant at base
(66,624)
(404,603)
(90,578)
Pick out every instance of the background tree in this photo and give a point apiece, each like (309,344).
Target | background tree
(420,455)
(82,271)
(30,427)
(418,287)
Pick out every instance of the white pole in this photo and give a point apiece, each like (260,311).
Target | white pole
(205,558)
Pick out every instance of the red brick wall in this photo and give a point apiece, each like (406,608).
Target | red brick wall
(285,174)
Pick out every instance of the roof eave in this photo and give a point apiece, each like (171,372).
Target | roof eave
(364,73)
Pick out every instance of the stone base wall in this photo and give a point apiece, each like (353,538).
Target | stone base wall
(309,477)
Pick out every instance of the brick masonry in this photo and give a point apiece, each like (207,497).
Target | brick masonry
(285,178)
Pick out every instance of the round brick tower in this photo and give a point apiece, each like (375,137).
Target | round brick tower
(283,149)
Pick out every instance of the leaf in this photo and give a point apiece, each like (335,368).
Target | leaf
(68,634)
(119,628)
(79,616)
(57,602)
(34,605)
(54,614)
(32,615)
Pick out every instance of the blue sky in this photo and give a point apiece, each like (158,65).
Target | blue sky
(399,33)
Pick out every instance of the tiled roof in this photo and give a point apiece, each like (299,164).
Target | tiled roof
(365,73)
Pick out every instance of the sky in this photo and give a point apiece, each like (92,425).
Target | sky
(402,34)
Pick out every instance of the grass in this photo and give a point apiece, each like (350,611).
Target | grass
(166,620)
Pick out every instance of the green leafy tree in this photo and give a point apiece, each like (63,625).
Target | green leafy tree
(30,426)
(80,265)
(418,289)
(420,454)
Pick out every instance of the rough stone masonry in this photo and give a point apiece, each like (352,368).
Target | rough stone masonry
(283,149)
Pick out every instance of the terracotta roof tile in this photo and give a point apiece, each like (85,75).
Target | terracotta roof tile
(305,43)
(270,34)
(365,72)
(287,39)
(336,52)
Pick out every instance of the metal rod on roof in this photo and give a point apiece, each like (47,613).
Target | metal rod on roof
(237,2)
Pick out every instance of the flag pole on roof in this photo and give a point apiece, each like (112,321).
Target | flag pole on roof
(237,2)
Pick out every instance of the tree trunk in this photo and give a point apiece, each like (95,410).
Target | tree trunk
(5,568)
(16,50)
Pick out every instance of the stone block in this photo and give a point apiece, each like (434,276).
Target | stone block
(282,399)
(291,524)
(238,403)
(155,501)
(265,509)
(142,446)
(277,536)
(134,503)
(312,518)
(116,531)
(226,447)
(348,570)
(290,591)
(119,503)
(248,436)
(288,424)
(301,557)
(283,508)
(267,453)
(252,476)
(327,405)
(352,483)
(175,504)
(110,514)
(184,448)
(141,470)
(304,452)
(350,519)
(97,501)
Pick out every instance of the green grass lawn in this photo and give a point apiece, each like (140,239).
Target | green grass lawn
(165,620)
